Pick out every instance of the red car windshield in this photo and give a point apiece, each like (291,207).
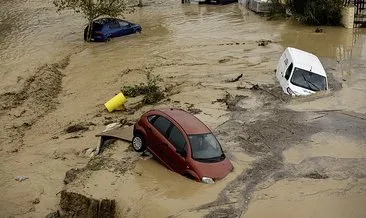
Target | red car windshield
(206,148)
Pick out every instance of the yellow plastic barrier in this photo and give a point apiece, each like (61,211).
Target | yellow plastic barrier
(116,103)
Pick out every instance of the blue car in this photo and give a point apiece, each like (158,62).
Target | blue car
(104,29)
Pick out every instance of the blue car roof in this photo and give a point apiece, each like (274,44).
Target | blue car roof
(107,20)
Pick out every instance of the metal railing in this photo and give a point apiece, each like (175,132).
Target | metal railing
(359,4)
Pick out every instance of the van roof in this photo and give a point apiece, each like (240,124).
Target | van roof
(306,61)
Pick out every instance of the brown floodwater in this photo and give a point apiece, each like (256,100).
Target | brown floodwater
(194,48)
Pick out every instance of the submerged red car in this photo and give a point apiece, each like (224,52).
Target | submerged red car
(182,143)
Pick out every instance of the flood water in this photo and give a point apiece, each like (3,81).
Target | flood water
(191,47)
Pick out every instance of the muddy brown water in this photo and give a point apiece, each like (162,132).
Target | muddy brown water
(195,49)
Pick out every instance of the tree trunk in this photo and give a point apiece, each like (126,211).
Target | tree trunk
(90,29)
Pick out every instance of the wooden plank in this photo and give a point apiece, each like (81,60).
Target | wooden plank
(122,133)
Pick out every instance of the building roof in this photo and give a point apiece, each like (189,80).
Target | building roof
(306,61)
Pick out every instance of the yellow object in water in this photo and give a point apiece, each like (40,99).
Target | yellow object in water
(116,103)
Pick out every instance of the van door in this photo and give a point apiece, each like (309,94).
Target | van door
(287,76)
(282,67)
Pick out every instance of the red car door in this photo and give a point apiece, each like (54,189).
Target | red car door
(176,151)
(157,141)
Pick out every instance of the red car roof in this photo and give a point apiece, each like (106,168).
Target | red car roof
(189,123)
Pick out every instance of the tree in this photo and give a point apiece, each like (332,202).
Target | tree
(319,12)
(92,9)
(313,12)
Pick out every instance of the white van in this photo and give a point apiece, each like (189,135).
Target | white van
(300,73)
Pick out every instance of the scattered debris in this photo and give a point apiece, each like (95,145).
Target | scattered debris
(15,150)
(257,87)
(77,205)
(235,80)
(231,101)
(71,175)
(90,152)
(54,137)
(76,128)
(54,215)
(316,175)
(19,113)
(193,110)
(75,137)
(318,30)
(125,122)
(111,126)
(221,61)
(232,43)
(21,178)
(36,201)
(263,42)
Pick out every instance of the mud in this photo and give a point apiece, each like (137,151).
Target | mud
(36,98)
(77,205)
(287,152)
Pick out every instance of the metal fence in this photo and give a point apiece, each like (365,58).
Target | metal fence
(359,5)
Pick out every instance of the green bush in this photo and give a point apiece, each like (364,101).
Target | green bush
(313,12)
(151,91)
(277,10)
(318,12)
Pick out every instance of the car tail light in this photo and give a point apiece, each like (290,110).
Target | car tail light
(289,91)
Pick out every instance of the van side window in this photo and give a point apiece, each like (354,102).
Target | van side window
(288,71)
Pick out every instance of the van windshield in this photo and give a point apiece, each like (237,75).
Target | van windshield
(206,148)
(308,80)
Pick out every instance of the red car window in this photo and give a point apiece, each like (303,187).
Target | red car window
(162,125)
(151,118)
(177,139)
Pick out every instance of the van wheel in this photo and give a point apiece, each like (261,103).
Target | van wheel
(138,143)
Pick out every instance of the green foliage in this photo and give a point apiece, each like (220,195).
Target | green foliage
(318,12)
(277,10)
(92,9)
(151,90)
(313,12)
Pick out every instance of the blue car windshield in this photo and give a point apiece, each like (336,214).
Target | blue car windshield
(97,27)
(206,148)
